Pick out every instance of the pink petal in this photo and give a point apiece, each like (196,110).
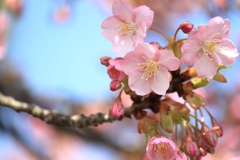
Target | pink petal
(168,60)
(226,56)
(205,32)
(205,67)
(122,45)
(192,33)
(140,34)
(143,14)
(109,26)
(190,50)
(130,62)
(137,84)
(146,49)
(161,84)
(122,8)
(220,26)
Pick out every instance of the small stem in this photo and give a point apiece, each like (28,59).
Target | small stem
(195,113)
(175,35)
(157,31)
(195,128)
(173,131)
(196,118)
(176,132)
(202,118)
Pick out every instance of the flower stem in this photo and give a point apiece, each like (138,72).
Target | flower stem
(175,35)
(157,31)
(195,118)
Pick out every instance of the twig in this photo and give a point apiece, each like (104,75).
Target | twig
(58,119)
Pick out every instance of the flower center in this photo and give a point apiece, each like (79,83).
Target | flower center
(151,68)
(126,28)
(164,151)
(210,47)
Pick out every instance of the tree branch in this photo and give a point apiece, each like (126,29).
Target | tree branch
(58,119)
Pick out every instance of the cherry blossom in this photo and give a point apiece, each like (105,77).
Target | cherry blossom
(127,27)
(208,47)
(161,148)
(147,68)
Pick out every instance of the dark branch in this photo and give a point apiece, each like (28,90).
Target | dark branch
(58,119)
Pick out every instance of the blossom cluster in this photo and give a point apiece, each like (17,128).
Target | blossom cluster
(148,72)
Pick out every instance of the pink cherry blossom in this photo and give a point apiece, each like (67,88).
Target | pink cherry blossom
(127,27)
(161,148)
(147,68)
(117,108)
(114,69)
(208,46)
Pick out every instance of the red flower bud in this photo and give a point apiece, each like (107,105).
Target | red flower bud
(105,60)
(190,147)
(156,44)
(186,27)
(217,128)
(115,85)
(117,108)
(209,136)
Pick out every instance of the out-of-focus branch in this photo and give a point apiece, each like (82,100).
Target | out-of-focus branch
(55,118)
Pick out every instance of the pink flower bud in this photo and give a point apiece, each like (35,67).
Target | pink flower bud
(190,147)
(105,60)
(156,44)
(161,148)
(186,27)
(181,156)
(117,108)
(209,136)
(114,69)
(115,85)
(217,128)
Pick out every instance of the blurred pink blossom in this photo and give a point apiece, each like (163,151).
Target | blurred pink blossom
(4,27)
(127,27)
(161,148)
(208,46)
(62,13)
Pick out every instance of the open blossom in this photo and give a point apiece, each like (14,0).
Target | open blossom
(147,68)
(127,27)
(161,148)
(208,46)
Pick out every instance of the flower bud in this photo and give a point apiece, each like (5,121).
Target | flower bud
(105,60)
(202,152)
(115,85)
(210,137)
(220,77)
(156,44)
(181,156)
(190,147)
(186,27)
(217,128)
(161,148)
(195,100)
(117,108)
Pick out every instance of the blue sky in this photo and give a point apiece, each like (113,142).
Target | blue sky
(64,58)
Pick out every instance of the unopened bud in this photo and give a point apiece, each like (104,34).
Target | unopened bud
(190,147)
(216,127)
(156,44)
(186,27)
(220,77)
(105,60)
(202,152)
(115,85)
(195,100)
(210,136)
(117,108)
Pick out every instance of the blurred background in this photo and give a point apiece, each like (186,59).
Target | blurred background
(50,50)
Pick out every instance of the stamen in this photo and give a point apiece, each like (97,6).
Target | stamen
(210,47)
(128,27)
(151,68)
(164,150)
